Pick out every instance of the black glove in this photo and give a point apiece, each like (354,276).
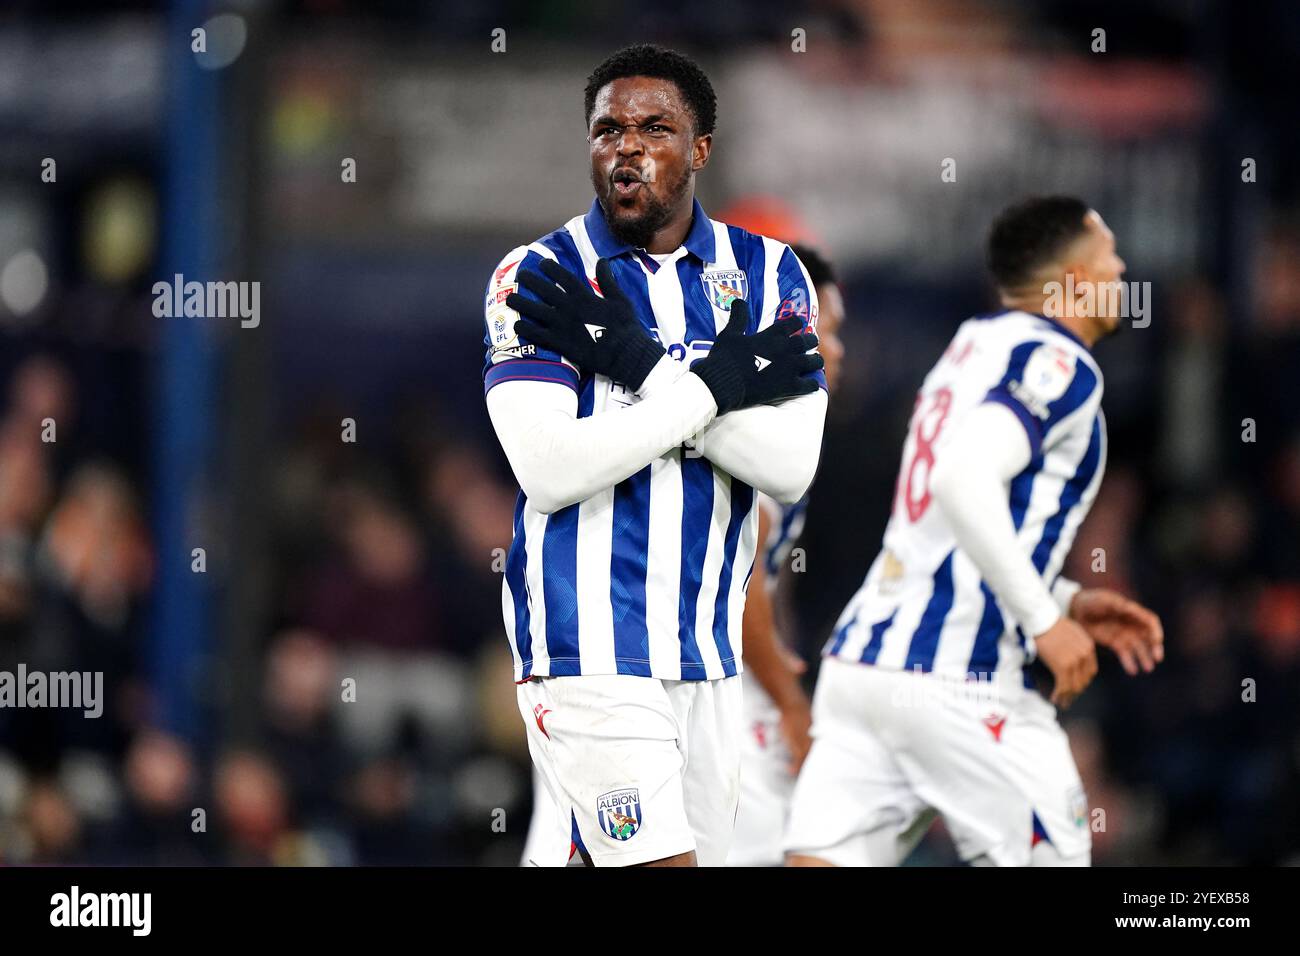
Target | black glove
(760,369)
(600,335)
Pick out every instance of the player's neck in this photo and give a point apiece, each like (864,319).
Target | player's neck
(671,236)
(1082,327)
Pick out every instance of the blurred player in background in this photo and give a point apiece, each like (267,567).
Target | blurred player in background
(648,369)
(924,702)
(777,711)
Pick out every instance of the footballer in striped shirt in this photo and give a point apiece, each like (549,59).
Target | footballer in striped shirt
(649,371)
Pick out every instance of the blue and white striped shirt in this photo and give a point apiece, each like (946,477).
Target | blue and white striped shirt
(924,606)
(648,577)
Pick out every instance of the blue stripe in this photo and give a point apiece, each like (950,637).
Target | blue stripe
(742,499)
(791,283)
(789,515)
(872,650)
(1081,387)
(1070,495)
(700,325)
(1017,361)
(697,516)
(575,836)
(925,639)
(751,257)
(984,655)
(586,397)
(517,581)
(697,485)
(530,370)
(1001,393)
(1022,490)
(1033,427)
(559,585)
(839,636)
(631,279)
(566,252)
(628,561)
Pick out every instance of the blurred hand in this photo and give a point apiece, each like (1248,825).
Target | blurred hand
(1071,656)
(796,724)
(1131,631)
(793,661)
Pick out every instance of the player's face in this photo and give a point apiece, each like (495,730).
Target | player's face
(644,154)
(830,316)
(1100,264)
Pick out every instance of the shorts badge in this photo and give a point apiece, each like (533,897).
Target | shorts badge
(1078,804)
(619,813)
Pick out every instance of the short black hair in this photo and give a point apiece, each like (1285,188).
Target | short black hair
(646,59)
(820,270)
(1029,234)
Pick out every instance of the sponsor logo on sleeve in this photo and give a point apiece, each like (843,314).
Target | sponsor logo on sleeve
(795,304)
(506,273)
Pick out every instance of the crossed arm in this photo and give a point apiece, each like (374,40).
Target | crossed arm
(559,458)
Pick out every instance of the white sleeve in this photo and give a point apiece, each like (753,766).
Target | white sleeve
(775,448)
(1063,592)
(666,371)
(559,458)
(969,483)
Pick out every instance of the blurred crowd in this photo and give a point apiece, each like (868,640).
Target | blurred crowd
(386,730)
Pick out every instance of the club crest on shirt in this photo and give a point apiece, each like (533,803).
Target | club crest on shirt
(619,813)
(725,286)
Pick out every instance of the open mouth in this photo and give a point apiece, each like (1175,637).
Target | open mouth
(627,182)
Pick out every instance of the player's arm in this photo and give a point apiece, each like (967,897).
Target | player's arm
(775,448)
(559,458)
(532,398)
(768,662)
(969,484)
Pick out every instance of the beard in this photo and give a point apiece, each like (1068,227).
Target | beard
(639,231)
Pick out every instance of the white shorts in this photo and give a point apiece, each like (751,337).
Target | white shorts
(643,768)
(766,784)
(891,748)
(550,831)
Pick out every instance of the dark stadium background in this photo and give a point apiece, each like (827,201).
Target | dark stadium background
(375,559)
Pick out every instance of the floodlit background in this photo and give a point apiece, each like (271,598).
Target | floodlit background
(377,559)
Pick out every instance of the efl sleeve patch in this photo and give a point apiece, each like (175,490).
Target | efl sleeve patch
(1047,375)
(501,341)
